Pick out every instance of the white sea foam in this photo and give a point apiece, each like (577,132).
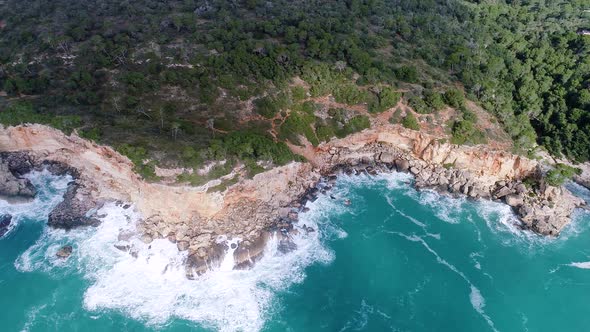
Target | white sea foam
(476,263)
(50,193)
(153,287)
(477,301)
(446,208)
(580,265)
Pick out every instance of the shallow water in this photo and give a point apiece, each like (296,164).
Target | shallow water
(395,260)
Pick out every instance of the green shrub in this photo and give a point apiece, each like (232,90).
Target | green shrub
(349,94)
(356,124)
(468,115)
(325,132)
(299,123)
(22,112)
(410,121)
(137,155)
(385,99)
(269,106)
(298,93)
(419,105)
(434,100)
(454,98)
(92,134)
(465,132)
(407,73)
(396,117)
(250,145)
(321,78)
(560,174)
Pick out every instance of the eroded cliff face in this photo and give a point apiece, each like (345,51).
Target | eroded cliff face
(253,209)
(189,216)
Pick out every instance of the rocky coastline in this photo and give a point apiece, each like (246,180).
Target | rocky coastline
(268,205)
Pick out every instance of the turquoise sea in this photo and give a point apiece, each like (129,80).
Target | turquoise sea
(394,260)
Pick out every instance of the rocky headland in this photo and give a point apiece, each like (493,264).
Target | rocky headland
(269,203)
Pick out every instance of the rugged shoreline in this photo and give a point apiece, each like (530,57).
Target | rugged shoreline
(269,204)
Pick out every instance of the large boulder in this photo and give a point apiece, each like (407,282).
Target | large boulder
(12,186)
(514,200)
(19,163)
(72,211)
(503,191)
(387,157)
(402,165)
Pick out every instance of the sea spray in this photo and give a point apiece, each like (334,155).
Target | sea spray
(153,287)
(50,191)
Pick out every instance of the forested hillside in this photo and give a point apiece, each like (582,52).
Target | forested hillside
(192,80)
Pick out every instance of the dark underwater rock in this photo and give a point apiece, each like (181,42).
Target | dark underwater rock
(5,221)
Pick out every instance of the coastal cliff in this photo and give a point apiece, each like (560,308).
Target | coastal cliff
(255,209)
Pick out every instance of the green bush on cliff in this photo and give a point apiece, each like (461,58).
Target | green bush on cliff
(299,123)
(356,124)
(454,98)
(349,94)
(247,145)
(434,100)
(23,112)
(560,174)
(419,105)
(384,99)
(325,132)
(465,132)
(138,155)
(410,121)
(269,106)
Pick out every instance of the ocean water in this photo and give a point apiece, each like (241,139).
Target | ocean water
(394,260)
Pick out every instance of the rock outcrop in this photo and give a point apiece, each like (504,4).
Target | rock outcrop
(64,252)
(12,185)
(253,210)
(73,211)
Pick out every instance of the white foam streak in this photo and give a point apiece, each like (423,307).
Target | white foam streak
(580,265)
(475,297)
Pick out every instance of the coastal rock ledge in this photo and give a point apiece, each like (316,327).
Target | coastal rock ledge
(268,205)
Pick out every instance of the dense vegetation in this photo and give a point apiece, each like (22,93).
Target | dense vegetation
(167,77)
(560,174)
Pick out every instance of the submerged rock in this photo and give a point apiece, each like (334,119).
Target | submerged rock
(286,246)
(64,252)
(5,221)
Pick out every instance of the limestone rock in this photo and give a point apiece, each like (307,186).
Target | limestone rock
(514,200)
(182,245)
(402,165)
(503,191)
(387,157)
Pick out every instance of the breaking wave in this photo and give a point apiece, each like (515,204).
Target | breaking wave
(152,286)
